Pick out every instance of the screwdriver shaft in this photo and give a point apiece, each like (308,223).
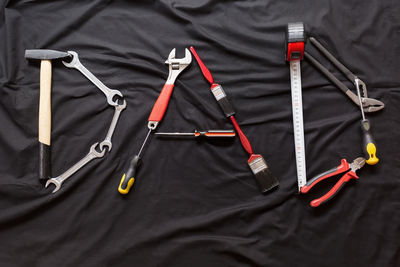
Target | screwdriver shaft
(144,142)
(369,146)
(209,133)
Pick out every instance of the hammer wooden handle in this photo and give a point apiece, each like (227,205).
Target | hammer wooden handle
(45,120)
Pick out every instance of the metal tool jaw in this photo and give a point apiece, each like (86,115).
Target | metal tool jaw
(348,171)
(74,60)
(358,83)
(369,104)
(357,164)
(177,65)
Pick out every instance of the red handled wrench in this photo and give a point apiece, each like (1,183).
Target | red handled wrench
(176,66)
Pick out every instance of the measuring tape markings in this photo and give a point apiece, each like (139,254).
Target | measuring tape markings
(295,51)
(297,109)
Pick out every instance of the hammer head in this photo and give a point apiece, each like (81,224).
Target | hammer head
(45,54)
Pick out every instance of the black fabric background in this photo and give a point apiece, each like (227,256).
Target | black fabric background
(196,203)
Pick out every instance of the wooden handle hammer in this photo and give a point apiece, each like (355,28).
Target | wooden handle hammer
(45,105)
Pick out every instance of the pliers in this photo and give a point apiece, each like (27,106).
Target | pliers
(349,171)
(369,104)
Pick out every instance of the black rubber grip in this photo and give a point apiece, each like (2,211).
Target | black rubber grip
(334,61)
(319,176)
(44,161)
(367,137)
(365,127)
(131,172)
(226,107)
(335,193)
(326,72)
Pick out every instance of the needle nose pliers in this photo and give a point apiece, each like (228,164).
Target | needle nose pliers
(349,171)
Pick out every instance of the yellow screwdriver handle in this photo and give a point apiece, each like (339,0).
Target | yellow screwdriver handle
(128,178)
(369,146)
(371,151)
(125,185)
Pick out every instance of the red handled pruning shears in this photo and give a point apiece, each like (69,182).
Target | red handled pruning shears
(344,167)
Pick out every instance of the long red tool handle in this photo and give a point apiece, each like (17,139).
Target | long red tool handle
(220,96)
(265,180)
(344,166)
(334,190)
(206,72)
(243,139)
(161,104)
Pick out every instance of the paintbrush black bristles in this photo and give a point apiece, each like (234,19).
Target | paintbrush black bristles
(265,179)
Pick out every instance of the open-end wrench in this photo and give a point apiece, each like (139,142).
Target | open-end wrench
(176,66)
(107,141)
(109,93)
(58,181)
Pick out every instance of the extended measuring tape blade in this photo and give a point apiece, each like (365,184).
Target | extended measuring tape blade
(294,54)
(298,127)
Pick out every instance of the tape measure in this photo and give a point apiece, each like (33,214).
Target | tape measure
(295,38)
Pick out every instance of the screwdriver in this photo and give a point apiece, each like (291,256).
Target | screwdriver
(196,133)
(128,178)
(369,146)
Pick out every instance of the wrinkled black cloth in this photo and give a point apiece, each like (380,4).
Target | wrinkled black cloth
(196,203)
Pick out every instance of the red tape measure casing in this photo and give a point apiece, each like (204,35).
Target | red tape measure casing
(295,51)
(295,38)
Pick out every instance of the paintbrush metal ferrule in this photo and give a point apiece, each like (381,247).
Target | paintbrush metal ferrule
(265,179)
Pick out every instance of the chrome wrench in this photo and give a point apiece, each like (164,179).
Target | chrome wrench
(107,141)
(58,181)
(109,93)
